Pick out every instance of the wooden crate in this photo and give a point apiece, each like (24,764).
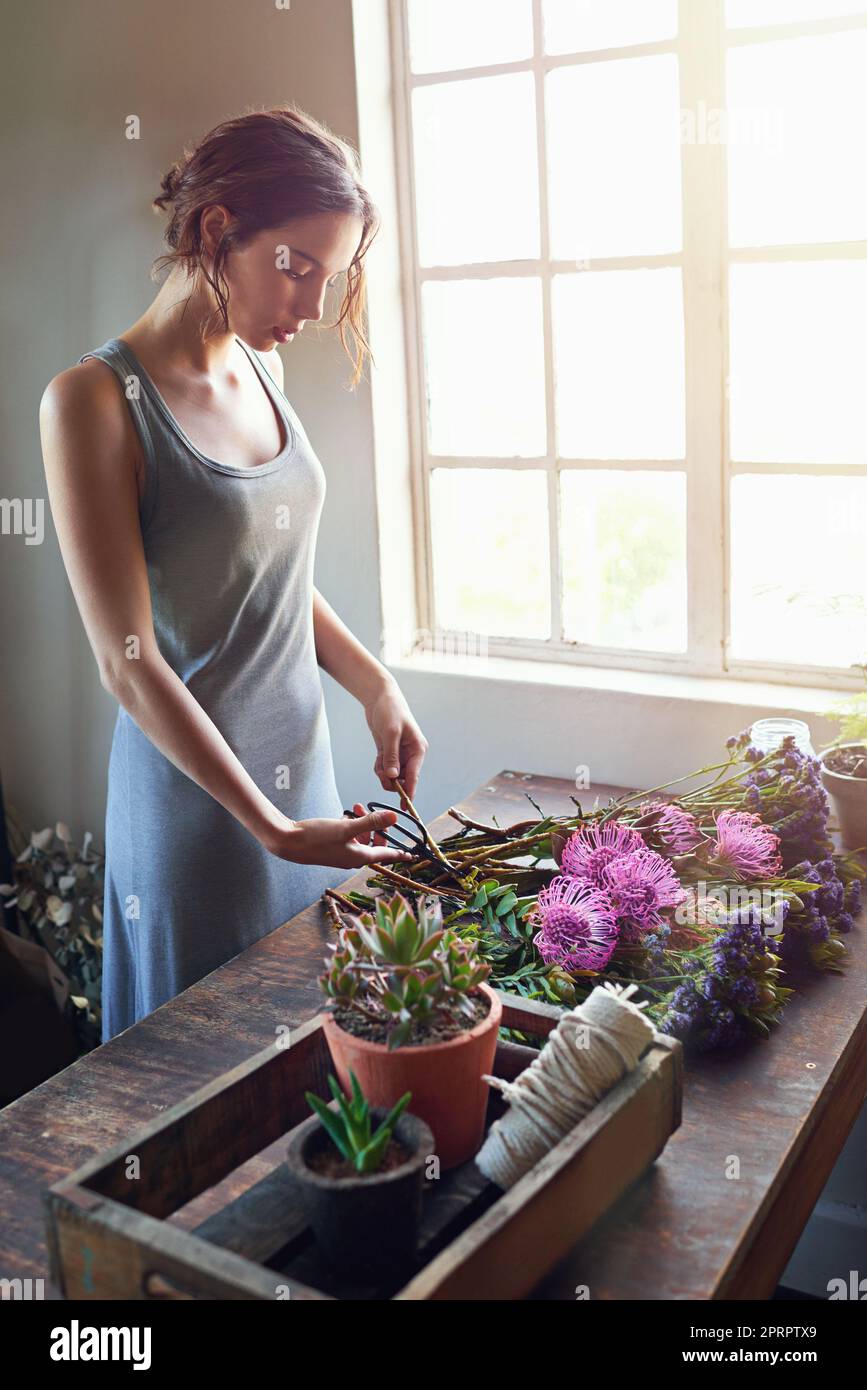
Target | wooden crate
(111,1236)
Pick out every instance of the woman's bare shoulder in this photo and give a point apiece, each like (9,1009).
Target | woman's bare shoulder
(85,402)
(80,390)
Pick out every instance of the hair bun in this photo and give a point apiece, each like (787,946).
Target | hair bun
(168,186)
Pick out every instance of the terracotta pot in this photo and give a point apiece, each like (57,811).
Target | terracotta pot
(366,1226)
(445,1079)
(849,795)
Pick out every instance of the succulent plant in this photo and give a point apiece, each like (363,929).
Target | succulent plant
(400,968)
(350,1126)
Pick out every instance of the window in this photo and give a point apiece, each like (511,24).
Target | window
(639,245)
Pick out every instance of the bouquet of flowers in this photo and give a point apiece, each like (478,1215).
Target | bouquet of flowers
(707,899)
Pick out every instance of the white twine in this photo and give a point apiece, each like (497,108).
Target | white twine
(565,1081)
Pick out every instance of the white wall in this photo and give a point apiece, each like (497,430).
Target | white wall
(78,240)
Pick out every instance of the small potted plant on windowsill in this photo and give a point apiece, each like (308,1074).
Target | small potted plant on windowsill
(359,1172)
(844,769)
(844,776)
(412,1012)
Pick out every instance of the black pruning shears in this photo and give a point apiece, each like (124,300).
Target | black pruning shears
(417,842)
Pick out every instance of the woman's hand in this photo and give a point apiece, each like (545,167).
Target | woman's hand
(400,743)
(343,844)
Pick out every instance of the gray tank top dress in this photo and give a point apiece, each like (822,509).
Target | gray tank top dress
(230,555)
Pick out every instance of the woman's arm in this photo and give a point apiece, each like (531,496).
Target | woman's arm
(400,744)
(88,444)
(340,653)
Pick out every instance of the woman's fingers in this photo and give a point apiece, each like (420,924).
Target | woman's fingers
(374,855)
(362,827)
(412,769)
(378,837)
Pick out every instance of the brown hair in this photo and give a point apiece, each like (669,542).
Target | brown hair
(267,168)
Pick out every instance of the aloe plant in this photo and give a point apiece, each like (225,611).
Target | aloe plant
(399,968)
(350,1126)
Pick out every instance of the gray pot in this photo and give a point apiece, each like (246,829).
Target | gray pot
(366,1226)
(849,795)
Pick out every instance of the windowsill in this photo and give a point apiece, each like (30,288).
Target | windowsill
(729,690)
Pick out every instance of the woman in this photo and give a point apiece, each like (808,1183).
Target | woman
(186,498)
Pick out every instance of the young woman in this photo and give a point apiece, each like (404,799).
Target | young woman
(186,497)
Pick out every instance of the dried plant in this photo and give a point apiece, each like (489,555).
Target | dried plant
(58,891)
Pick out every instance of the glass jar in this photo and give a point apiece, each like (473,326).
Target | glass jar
(768,734)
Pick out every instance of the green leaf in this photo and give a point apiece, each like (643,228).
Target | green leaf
(412,990)
(357,1128)
(426,951)
(403,939)
(357,1093)
(370,1157)
(395,1112)
(332,1124)
(399,1035)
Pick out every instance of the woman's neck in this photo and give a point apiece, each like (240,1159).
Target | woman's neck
(172,328)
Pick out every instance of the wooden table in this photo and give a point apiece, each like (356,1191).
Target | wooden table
(685,1230)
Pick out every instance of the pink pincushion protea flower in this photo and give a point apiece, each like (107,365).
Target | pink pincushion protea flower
(587,852)
(577,926)
(676,828)
(746,845)
(639,885)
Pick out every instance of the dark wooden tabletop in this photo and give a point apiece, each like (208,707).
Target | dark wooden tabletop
(685,1230)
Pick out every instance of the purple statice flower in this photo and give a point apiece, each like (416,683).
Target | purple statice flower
(655,944)
(639,886)
(851,905)
(710,1010)
(702,1022)
(826,910)
(588,851)
(738,944)
(677,829)
(746,845)
(795,805)
(578,928)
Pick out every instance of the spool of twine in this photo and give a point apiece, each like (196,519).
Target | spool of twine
(573,1071)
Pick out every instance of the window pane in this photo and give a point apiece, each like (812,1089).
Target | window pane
(624,558)
(618,360)
(799,362)
(614,158)
(484,361)
(798,569)
(477,180)
(491,558)
(751,13)
(798,140)
(575,26)
(468,33)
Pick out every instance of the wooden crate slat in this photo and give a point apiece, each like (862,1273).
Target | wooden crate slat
(213,1131)
(110,1252)
(529,1015)
(260,1222)
(502,1257)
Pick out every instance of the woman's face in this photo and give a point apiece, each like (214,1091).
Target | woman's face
(279,280)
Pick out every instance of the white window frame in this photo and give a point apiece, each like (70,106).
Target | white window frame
(700,46)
